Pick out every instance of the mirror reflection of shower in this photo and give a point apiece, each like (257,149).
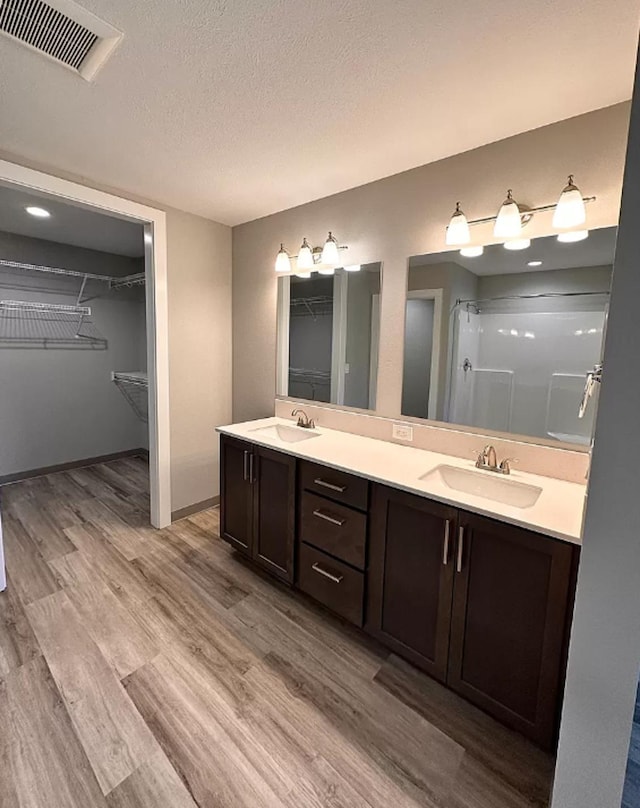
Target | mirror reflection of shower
(517,337)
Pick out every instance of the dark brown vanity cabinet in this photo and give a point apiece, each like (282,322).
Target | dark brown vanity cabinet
(512,599)
(411,577)
(257,504)
(479,604)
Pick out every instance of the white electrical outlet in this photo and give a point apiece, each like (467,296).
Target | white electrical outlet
(402,432)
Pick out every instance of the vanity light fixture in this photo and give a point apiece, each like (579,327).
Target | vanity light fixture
(305,275)
(324,270)
(458,229)
(570,210)
(517,244)
(509,221)
(39,213)
(304,261)
(471,252)
(572,236)
(330,255)
(352,268)
(283,260)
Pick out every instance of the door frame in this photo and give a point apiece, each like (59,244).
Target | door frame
(155,225)
(436,296)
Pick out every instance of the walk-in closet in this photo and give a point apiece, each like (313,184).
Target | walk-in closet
(73,371)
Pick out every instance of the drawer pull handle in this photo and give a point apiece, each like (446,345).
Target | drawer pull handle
(335,578)
(339,488)
(328,518)
(460,549)
(445,550)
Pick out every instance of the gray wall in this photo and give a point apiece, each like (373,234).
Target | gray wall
(58,404)
(418,345)
(584,279)
(605,642)
(406,215)
(361,287)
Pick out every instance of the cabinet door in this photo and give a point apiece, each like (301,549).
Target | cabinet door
(236,494)
(411,577)
(274,483)
(511,597)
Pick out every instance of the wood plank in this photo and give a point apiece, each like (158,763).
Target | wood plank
(127,540)
(154,785)
(8,794)
(43,528)
(47,762)
(29,572)
(114,736)
(121,638)
(515,764)
(324,787)
(18,644)
(186,723)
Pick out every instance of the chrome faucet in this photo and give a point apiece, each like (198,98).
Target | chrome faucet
(303,419)
(488,461)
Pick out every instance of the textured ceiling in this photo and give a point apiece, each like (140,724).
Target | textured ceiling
(69,224)
(234,109)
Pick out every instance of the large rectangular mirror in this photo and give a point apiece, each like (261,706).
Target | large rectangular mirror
(328,327)
(509,340)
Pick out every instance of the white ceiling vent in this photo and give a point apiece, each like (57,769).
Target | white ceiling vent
(62,31)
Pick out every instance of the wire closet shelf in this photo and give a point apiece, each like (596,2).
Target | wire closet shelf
(134,386)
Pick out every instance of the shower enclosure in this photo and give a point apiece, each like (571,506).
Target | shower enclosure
(519,364)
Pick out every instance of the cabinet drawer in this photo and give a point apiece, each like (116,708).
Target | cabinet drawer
(336,485)
(332,583)
(334,528)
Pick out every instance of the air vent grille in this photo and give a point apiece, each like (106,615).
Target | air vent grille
(50,31)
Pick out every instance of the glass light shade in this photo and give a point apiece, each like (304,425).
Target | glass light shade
(283,261)
(352,268)
(518,244)
(534,264)
(458,230)
(508,222)
(471,252)
(330,254)
(305,257)
(573,236)
(570,210)
(305,275)
(326,270)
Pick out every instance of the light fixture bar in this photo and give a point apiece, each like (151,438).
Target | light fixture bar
(318,250)
(528,211)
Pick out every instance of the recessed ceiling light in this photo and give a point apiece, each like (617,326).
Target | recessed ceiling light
(39,213)
(573,236)
(534,264)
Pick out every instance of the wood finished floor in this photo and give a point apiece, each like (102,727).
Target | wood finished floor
(156,669)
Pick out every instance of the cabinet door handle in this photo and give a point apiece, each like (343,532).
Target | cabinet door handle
(445,549)
(328,518)
(339,488)
(460,549)
(245,472)
(251,477)
(335,578)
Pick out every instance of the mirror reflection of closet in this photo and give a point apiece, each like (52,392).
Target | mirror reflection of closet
(328,329)
(505,340)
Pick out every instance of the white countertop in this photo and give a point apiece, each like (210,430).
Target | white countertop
(558,511)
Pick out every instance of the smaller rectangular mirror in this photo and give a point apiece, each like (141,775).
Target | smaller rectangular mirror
(328,332)
(506,340)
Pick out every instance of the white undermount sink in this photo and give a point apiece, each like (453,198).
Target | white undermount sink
(288,434)
(486,484)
